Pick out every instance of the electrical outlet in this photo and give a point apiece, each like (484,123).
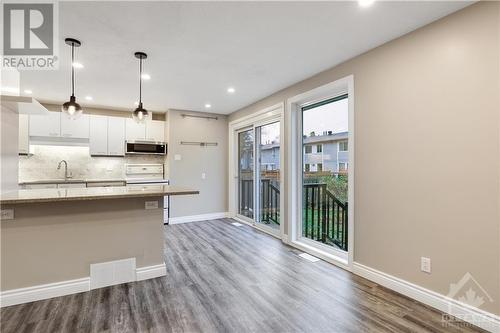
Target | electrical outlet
(177,157)
(7,214)
(151,205)
(425,264)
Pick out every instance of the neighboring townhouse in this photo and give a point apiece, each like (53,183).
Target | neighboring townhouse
(326,152)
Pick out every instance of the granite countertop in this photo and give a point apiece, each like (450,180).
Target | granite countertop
(91,193)
(70,181)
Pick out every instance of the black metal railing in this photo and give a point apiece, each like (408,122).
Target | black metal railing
(246,197)
(324,216)
(270,202)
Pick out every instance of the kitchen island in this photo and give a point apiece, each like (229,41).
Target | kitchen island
(61,241)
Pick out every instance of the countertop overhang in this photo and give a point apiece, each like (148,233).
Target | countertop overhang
(91,193)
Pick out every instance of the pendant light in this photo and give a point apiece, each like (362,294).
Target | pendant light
(72,108)
(140,114)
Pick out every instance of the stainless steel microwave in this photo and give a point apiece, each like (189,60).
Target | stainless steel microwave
(145,147)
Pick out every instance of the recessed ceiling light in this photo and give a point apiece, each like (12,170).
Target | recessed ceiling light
(28,92)
(77,65)
(145,76)
(208,106)
(231,90)
(88,98)
(365,3)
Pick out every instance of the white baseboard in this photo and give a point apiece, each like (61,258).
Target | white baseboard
(196,218)
(63,288)
(472,315)
(151,272)
(44,291)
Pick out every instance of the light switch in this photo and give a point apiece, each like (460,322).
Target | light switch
(177,157)
(203,175)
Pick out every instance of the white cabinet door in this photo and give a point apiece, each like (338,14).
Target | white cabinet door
(155,131)
(98,135)
(24,135)
(75,128)
(134,130)
(116,136)
(45,125)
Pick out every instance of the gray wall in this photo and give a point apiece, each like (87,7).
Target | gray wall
(196,160)
(421,103)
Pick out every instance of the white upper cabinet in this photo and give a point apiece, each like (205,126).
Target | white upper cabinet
(116,136)
(150,130)
(155,131)
(98,135)
(107,136)
(46,125)
(134,130)
(75,128)
(24,136)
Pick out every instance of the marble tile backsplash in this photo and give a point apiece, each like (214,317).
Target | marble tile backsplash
(42,164)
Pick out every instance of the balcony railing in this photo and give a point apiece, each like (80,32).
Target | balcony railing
(325,217)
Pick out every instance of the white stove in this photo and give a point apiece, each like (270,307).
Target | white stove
(148,174)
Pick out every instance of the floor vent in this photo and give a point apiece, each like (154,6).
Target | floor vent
(308,257)
(237,224)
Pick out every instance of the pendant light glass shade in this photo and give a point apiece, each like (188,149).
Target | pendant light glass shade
(72,109)
(140,114)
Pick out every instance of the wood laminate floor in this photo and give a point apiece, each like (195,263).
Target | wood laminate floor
(222,278)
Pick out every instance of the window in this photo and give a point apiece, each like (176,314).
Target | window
(342,166)
(343,146)
(320,167)
(307,167)
(308,149)
(319,148)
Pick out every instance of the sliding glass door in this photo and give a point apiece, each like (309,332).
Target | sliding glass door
(258,179)
(268,174)
(325,164)
(246,173)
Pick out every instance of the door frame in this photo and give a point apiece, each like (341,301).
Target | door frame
(294,167)
(265,116)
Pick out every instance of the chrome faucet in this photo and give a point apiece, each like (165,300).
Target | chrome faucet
(66,176)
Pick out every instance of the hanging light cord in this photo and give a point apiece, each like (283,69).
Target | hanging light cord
(140,81)
(72,69)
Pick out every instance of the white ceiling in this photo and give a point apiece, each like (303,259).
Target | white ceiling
(198,49)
